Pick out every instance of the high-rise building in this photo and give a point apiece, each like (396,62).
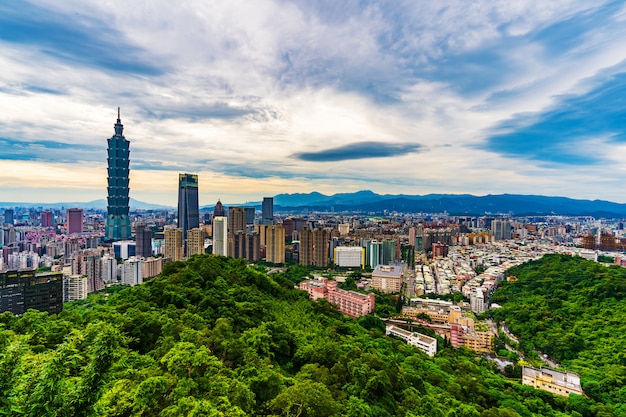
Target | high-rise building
(74,220)
(268,210)
(250,213)
(46,219)
(236,220)
(220,242)
(8,217)
(88,263)
(188,210)
(306,246)
(195,242)
(275,244)
(173,247)
(321,247)
(219,211)
(117,222)
(143,239)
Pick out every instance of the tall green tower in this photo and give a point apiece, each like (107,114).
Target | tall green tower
(118,222)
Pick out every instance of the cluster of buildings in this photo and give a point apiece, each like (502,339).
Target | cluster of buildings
(450,321)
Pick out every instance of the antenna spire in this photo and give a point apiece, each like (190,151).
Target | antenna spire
(118,114)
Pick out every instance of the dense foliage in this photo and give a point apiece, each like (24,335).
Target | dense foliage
(213,337)
(573,310)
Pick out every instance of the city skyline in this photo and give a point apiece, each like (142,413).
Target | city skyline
(286,97)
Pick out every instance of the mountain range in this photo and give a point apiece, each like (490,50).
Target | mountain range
(366,201)
(369,202)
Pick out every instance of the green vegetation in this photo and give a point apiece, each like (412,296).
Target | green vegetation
(573,310)
(212,337)
(606,259)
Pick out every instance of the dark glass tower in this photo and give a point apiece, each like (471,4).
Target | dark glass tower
(188,213)
(118,222)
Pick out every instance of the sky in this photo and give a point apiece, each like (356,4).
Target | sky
(267,97)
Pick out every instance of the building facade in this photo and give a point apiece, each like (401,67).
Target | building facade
(74,217)
(173,246)
(349,256)
(21,290)
(275,244)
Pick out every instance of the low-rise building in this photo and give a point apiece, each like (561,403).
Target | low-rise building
(388,278)
(351,303)
(551,380)
(425,343)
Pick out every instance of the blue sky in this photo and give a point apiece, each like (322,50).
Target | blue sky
(265,97)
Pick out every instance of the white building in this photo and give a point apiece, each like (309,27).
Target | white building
(478,304)
(349,256)
(74,287)
(108,270)
(131,271)
(220,235)
(425,343)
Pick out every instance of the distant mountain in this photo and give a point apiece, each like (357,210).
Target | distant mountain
(368,201)
(100,204)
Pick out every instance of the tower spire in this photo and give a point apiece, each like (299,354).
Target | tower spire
(118,115)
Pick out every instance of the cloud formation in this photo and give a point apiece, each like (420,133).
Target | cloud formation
(274,96)
(360,150)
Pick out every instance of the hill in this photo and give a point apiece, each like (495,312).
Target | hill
(573,310)
(213,337)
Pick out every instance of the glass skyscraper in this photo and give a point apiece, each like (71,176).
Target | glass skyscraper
(188,212)
(118,222)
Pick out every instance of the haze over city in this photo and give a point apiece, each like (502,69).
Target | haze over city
(277,97)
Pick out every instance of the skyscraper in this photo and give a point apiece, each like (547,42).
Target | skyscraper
(188,211)
(275,244)
(74,220)
(118,222)
(220,242)
(46,219)
(173,248)
(267,210)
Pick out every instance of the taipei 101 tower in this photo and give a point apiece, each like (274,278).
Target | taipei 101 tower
(118,222)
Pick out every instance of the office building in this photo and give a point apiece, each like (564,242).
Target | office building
(188,210)
(117,221)
(21,290)
(173,247)
(46,219)
(143,240)
(275,244)
(267,211)
(195,242)
(9,217)
(74,218)
(124,249)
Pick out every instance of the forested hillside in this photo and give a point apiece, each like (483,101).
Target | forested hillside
(574,310)
(212,337)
